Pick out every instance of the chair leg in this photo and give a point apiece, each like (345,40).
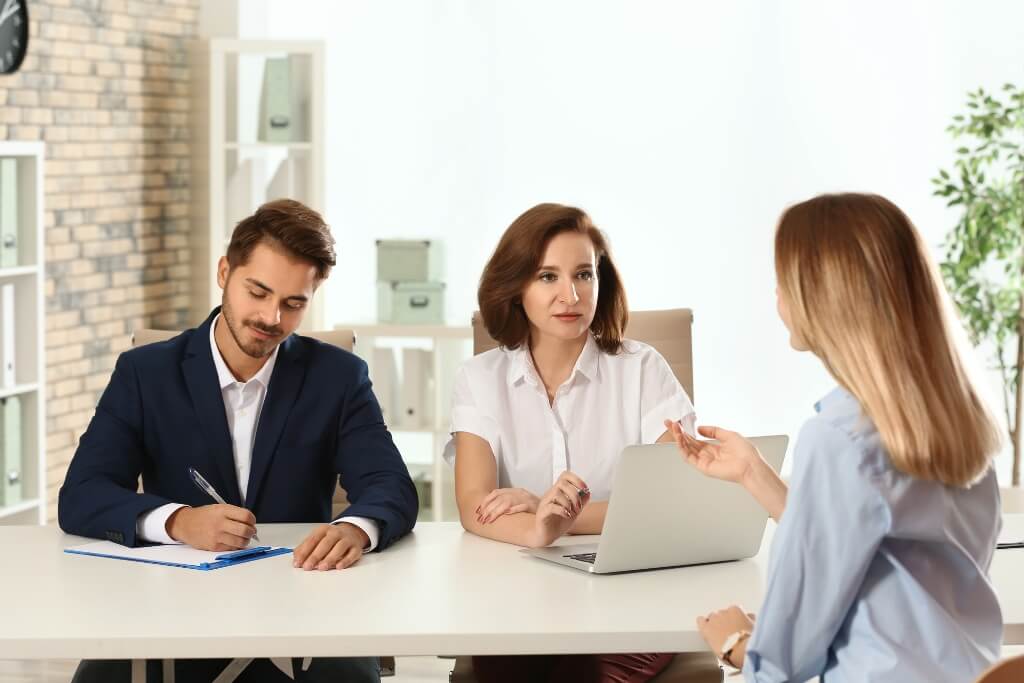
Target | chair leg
(233,670)
(168,669)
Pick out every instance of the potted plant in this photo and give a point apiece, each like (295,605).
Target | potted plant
(984,262)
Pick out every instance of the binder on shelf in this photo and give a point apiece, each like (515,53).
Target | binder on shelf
(244,191)
(276,116)
(289,181)
(7,333)
(10,450)
(8,212)
(385,374)
(415,396)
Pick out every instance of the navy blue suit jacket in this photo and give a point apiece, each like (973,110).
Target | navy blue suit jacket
(163,412)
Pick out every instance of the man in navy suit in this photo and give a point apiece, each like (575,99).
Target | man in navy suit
(269,418)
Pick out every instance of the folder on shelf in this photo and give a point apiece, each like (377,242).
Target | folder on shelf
(10,450)
(8,213)
(276,116)
(416,396)
(177,555)
(244,191)
(289,180)
(7,332)
(384,381)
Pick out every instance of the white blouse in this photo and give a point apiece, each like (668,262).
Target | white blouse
(609,402)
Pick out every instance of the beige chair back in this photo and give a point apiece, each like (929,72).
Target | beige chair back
(344,339)
(1007,671)
(670,332)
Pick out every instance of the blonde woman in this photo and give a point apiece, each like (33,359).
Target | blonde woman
(879,565)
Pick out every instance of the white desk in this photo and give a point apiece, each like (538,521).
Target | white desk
(439,591)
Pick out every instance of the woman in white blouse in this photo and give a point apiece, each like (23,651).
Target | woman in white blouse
(538,424)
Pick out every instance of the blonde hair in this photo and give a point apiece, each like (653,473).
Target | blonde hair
(866,298)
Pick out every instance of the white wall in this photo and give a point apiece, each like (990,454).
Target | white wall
(682,128)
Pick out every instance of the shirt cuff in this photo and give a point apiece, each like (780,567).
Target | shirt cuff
(370,526)
(152,526)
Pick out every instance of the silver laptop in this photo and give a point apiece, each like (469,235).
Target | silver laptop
(664,513)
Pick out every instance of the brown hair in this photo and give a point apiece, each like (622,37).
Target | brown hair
(866,298)
(287,224)
(515,261)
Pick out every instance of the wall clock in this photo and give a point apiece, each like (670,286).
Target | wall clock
(13,34)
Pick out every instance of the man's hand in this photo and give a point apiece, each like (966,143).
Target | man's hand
(212,527)
(331,546)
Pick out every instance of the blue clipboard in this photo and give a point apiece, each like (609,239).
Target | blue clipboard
(177,555)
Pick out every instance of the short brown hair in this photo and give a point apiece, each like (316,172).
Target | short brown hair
(287,224)
(515,261)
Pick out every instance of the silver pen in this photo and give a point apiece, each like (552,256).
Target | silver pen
(205,486)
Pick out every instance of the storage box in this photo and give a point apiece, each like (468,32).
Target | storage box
(410,303)
(409,261)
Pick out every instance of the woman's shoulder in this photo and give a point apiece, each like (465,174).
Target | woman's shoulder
(843,437)
(638,355)
(488,363)
(633,349)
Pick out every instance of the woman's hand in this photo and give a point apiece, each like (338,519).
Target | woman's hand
(732,459)
(719,625)
(505,502)
(558,509)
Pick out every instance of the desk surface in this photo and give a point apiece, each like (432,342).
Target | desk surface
(438,591)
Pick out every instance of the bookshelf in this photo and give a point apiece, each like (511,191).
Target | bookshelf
(257,135)
(420,439)
(22,343)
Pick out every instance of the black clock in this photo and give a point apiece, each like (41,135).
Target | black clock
(13,34)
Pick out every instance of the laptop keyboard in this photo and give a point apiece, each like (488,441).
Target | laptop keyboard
(583,557)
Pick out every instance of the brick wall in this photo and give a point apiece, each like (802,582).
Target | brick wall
(106,86)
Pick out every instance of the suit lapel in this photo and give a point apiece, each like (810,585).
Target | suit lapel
(204,389)
(285,382)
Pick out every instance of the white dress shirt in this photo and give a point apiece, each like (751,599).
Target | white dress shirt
(243,403)
(607,403)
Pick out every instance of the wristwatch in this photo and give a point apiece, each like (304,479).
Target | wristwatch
(730,643)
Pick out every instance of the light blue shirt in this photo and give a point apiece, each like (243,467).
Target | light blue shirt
(875,575)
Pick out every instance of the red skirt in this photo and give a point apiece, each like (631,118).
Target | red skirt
(621,668)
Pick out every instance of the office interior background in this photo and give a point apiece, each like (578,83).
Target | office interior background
(683,129)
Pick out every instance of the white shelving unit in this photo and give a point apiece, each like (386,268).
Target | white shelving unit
(234,168)
(27,276)
(421,444)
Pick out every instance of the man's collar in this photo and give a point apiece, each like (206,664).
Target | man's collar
(224,376)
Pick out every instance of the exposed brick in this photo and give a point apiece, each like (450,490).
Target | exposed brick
(107,85)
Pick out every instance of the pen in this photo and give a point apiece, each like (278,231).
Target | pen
(1007,546)
(204,485)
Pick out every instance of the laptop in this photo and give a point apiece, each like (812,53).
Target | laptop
(665,513)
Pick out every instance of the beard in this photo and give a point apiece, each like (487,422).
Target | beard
(251,346)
